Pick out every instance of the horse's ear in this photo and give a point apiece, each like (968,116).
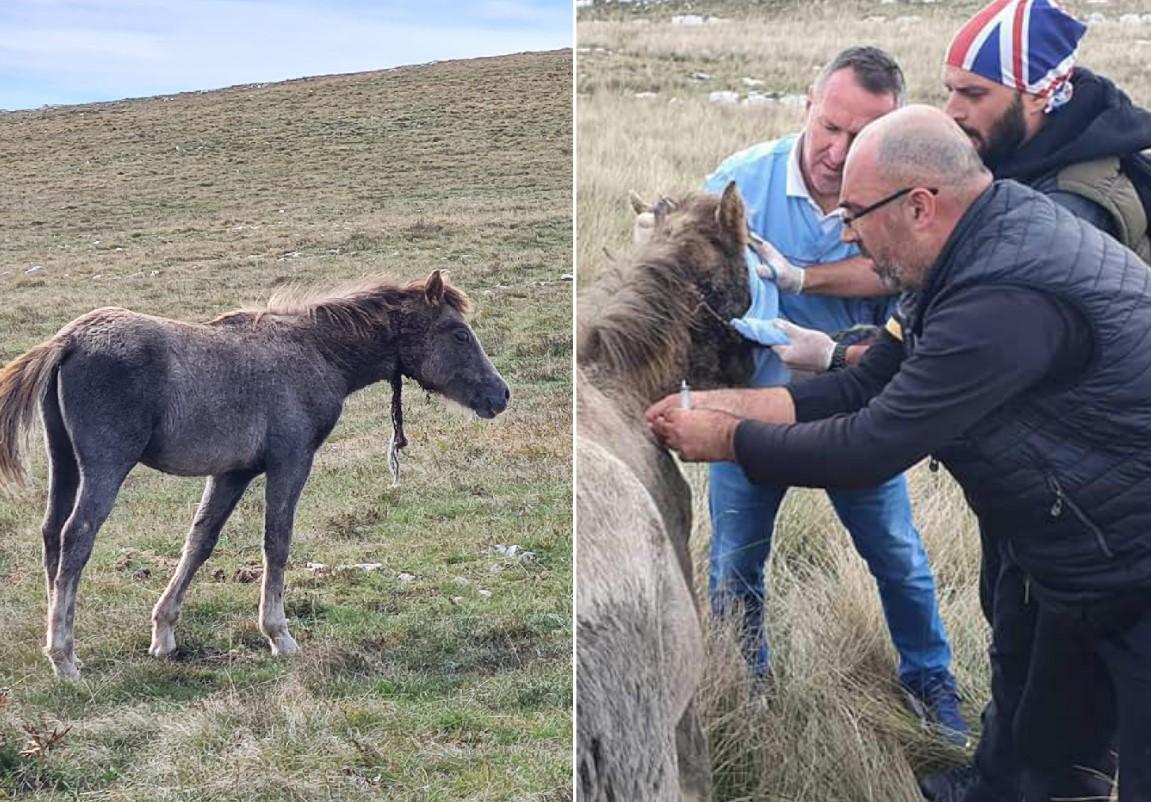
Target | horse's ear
(638,204)
(730,215)
(434,288)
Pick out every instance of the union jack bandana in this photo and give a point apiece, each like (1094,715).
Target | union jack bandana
(1028,45)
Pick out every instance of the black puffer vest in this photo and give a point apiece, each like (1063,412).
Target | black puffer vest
(1063,473)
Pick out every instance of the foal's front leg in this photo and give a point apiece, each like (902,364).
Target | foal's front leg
(285,482)
(221,494)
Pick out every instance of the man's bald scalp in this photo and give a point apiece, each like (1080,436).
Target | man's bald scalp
(922,146)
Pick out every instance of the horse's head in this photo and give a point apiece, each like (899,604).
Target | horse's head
(446,357)
(706,237)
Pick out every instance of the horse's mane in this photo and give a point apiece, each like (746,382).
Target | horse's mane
(357,307)
(635,321)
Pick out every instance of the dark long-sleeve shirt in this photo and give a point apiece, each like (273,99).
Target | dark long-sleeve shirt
(861,426)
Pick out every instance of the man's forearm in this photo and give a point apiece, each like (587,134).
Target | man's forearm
(767,404)
(847,278)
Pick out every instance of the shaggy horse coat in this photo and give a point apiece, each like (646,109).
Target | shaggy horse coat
(252,392)
(644,327)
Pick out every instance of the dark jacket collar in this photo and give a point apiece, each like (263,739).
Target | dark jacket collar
(943,267)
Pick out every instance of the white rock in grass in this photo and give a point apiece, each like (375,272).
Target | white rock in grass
(723,97)
(406,577)
(757,99)
(317,568)
(688,19)
(461,581)
(567,277)
(35,269)
(751,82)
(646,95)
(496,568)
(699,76)
(485,593)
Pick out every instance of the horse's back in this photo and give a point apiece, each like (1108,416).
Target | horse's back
(184,398)
(638,639)
(640,648)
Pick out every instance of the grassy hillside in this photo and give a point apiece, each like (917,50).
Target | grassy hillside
(445,674)
(831,728)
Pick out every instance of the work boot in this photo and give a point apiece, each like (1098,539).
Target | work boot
(961,784)
(936,701)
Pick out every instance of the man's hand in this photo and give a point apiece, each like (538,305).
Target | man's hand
(809,350)
(697,435)
(767,404)
(775,268)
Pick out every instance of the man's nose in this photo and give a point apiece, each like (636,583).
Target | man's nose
(953,108)
(837,153)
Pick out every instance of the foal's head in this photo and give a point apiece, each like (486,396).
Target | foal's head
(663,316)
(440,351)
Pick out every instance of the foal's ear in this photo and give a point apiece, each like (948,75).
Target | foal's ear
(638,204)
(434,288)
(730,214)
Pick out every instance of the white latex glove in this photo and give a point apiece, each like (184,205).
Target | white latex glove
(775,268)
(642,227)
(809,350)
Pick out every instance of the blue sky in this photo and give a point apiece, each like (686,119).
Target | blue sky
(79,51)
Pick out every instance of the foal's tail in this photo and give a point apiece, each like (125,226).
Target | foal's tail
(23,383)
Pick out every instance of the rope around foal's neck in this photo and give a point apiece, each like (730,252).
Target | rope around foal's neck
(398,439)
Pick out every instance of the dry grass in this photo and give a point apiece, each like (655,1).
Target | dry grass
(454,684)
(831,727)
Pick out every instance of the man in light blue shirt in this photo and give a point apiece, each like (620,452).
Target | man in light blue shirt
(791,189)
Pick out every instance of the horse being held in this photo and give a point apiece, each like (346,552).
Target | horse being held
(644,327)
(251,392)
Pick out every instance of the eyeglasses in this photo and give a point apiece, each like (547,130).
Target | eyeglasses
(850,217)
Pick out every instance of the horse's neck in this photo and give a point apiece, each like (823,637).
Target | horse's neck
(361,361)
(621,390)
(615,421)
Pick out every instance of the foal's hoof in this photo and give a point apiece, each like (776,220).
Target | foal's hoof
(284,645)
(68,670)
(163,646)
(162,652)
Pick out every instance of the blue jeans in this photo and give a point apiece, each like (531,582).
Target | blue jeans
(879,520)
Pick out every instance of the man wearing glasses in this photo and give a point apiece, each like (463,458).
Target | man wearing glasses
(1024,369)
(1035,116)
(791,189)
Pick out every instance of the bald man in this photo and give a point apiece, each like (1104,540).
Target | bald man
(1024,370)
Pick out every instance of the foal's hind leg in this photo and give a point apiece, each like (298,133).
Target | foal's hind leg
(221,494)
(284,485)
(96,494)
(63,480)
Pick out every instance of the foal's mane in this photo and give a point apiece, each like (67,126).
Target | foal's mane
(638,320)
(357,307)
